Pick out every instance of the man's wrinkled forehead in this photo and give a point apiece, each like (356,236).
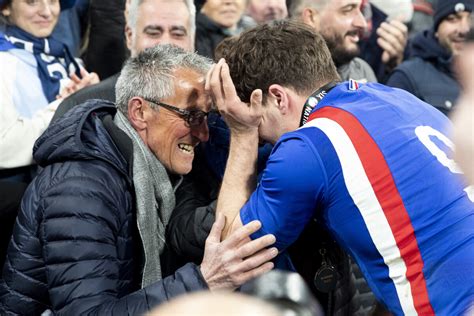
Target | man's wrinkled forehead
(167,5)
(162,5)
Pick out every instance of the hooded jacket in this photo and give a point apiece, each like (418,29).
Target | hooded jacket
(75,248)
(428,74)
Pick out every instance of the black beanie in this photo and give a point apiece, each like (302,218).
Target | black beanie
(446,7)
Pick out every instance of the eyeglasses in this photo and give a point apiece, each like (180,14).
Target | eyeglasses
(193,118)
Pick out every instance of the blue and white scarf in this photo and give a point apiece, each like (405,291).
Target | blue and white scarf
(53,58)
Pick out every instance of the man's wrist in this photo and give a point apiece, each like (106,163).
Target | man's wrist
(244,132)
(244,141)
(203,277)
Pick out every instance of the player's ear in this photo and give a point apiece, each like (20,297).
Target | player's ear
(277,95)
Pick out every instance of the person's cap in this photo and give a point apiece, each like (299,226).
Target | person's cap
(65,4)
(444,8)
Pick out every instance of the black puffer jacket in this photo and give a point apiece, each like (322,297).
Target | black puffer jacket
(75,247)
(428,74)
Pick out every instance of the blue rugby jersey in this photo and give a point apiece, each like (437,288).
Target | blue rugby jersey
(374,165)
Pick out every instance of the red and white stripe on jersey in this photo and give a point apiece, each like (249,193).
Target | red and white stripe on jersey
(371,185)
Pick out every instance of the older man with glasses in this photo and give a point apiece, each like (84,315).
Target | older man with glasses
(90,232)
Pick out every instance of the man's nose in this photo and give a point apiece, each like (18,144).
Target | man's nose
(201,131)
(466,24)
(165,38)
(45,8)
(359,20)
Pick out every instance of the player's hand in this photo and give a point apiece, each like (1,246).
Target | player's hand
(241,117)
(392,38)
(230,263)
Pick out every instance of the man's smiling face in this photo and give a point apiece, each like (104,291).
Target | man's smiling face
(168,135)
(160,22)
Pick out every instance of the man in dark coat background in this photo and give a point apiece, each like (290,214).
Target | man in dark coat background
(429,74)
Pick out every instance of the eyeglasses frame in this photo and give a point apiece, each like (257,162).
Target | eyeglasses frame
(184,114)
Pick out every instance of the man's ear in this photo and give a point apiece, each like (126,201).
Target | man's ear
(6,11)
(128,37)
(278,96)
(310,17)
(137,114)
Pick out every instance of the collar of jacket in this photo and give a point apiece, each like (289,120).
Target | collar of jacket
(122,141)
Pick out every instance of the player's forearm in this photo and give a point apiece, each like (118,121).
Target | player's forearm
(239,177)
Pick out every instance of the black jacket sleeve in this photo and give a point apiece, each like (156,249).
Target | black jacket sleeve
(106,50)
(194,213)
(82,236)
(191,221)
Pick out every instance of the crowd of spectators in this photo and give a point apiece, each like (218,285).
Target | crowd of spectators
(116,165)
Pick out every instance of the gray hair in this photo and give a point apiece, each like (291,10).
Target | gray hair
(150,74)
(133,15)
(296,7)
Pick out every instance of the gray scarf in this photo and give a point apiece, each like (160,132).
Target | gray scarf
(155,201)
